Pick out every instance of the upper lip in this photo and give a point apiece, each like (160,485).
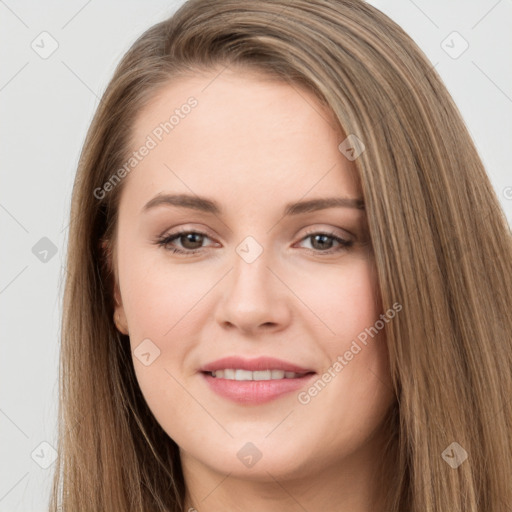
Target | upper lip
(259,363)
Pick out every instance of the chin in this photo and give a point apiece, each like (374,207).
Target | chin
(259,460)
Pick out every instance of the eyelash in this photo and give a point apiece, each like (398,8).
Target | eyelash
(164,240)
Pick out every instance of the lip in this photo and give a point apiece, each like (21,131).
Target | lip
(251,392)
(259,363)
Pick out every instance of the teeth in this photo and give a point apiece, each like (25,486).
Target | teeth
(238,374)
(229,374)
(262,375)
(243,375)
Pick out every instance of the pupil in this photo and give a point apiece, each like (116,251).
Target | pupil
(322,242)
(190,238)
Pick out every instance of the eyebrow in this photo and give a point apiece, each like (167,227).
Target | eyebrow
(209,206)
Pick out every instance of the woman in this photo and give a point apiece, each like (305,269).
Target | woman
(289,278)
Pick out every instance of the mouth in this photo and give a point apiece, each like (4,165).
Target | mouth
(256,381)
(239,374)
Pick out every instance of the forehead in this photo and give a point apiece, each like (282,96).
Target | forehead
(241,135)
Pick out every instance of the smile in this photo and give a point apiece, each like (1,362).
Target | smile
(239,374)
(246,387)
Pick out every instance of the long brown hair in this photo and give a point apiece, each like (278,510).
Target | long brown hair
(441,242)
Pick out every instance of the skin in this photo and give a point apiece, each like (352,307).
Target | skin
(254,145)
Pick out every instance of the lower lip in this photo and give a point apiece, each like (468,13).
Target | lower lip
(255,391)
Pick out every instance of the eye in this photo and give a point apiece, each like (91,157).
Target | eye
(322,242)
(191,241)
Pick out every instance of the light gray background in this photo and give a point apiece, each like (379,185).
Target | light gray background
(46,107)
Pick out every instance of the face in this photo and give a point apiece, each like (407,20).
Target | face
(234,271)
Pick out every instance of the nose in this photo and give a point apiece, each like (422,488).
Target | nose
(254,299)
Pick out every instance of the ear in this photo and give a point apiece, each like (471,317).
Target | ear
(119,313)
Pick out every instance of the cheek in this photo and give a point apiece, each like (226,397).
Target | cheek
(159,302)
(158,297)
(356,377)
(160,309)
(344,297)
